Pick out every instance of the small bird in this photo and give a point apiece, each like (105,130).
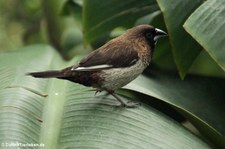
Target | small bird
(114,64)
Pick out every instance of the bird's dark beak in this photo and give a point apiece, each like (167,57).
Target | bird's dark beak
(159,33)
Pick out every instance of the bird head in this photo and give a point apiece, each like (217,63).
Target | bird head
(146,32)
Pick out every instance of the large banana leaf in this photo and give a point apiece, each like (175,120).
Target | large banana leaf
(209,29)
(100,16)
(61,114)
(200,99)
(184,48)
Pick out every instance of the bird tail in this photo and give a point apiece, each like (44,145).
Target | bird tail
(83,77)
(47,74)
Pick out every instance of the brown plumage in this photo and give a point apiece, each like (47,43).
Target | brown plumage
(115,64)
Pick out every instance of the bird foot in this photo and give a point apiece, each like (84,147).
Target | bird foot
(98,91)
(130,104)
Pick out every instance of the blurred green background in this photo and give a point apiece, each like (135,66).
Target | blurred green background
(183,86)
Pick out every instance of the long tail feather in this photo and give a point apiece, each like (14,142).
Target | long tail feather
(46,74)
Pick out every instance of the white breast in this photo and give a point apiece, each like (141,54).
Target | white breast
(119,77)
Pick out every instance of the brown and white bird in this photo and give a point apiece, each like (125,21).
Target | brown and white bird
(115,64)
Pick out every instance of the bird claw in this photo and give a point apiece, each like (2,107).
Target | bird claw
(98,91)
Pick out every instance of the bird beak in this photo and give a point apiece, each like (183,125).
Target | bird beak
(159,33)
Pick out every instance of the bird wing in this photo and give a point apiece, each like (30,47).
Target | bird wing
(110,55)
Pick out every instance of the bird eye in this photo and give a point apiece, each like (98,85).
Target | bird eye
(149,35)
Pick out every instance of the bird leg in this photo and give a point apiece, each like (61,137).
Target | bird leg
(122,103)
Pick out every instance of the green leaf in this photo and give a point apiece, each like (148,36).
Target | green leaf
(185,49)
(55,24)
(102,16)
(206,66)
(162,55)
(72,117)
(206,25)
(200,99)
(72,6)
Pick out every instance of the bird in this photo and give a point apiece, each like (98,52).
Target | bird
(114,64)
